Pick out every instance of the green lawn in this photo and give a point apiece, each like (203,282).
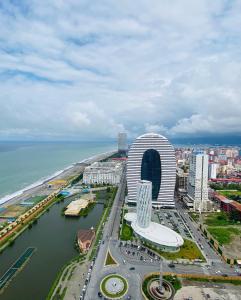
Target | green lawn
(189,250)
(223,234)
(113,296)
(218,280)
(126,233)
(109,260)
(218,219)
(233,195)
(175,282)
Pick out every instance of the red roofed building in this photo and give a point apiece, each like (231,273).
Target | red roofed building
(236,206)
(226,180)
(85,239)
(227,205)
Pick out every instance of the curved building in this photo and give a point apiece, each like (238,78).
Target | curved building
(150,232)
(151,157)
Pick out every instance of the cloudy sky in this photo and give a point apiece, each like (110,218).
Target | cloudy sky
(85,69)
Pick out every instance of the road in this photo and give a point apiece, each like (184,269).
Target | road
(212,257)
(110,242)
(110,233)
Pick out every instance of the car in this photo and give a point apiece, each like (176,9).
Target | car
(132,268)
(225,275)
(99,295)
(171,265)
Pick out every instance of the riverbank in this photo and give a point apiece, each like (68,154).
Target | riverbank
(79,269)
(9,233)
(53,237)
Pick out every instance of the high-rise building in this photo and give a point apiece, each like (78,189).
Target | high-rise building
(144,203)
(198,180)
(212,170)
(122,142)
(151,157)
(160,236)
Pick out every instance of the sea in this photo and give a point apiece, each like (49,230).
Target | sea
(25,164)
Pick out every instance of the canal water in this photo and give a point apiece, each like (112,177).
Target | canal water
(53,236)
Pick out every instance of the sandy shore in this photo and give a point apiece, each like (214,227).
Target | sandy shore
(42,188)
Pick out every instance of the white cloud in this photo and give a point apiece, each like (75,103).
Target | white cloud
(80,69)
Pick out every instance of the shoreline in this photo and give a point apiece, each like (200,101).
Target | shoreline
(7,198)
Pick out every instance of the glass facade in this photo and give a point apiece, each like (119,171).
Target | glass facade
(151,170)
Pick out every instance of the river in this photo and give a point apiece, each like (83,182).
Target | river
(53,236)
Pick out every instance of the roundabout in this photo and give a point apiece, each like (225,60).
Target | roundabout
(152,290)
(114,286)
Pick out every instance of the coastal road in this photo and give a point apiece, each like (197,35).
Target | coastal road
(110,232)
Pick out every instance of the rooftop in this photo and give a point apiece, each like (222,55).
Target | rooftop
(155,232)
(151,135)
(85,234)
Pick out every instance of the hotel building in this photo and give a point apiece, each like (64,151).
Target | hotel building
(151,157)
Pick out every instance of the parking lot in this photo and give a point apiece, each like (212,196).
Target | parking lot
(138,253)
(173,220)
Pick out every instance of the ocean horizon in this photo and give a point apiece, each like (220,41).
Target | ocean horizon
(24,164)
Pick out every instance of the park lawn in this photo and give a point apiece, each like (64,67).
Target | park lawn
(218,280)
(223,234)
(189,250)
(126,233)
(109,261)
(218,219)
(233,195)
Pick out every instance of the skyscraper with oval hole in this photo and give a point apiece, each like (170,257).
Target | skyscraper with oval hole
(151,157)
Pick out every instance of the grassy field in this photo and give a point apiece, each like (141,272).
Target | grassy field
(218,219)
(117,295)
(109,260)
(218,280)
(189,250)
(224,234)
(126,232)
(233,195)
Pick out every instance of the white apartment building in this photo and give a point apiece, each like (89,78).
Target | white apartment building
(103,173)
(198,180)
(144,203)
(212,170)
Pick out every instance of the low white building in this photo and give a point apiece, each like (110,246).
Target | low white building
(103,173)
(156,234)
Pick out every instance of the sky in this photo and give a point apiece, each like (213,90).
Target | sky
(88,69)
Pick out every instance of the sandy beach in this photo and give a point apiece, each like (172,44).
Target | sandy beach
(41,188)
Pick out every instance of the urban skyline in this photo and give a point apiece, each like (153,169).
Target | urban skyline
(120,150)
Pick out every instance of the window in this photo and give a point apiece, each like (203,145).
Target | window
(151,170)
